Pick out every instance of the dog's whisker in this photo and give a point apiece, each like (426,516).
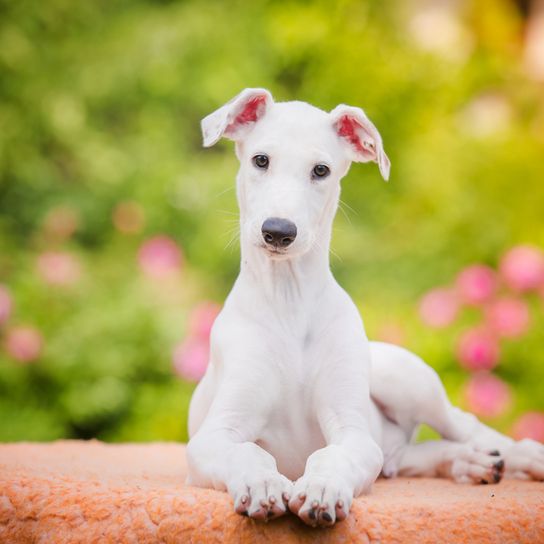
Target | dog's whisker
(231,222)
(317,243)
(231,233)
(232,241)
(343,203)
(230,246)
(227,212)
(341,208)
(345,214)
(221,193)
(336,255)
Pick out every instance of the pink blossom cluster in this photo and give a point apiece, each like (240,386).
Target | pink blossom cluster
(23,343)
(160,257)
(500,297)
(191,356)
(60,223)
(128,217)
(58,267)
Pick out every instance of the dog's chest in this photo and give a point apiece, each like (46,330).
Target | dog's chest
(292,432)
(291,438)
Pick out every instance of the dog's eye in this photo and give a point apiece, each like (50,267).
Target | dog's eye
(261,161)
(320,171)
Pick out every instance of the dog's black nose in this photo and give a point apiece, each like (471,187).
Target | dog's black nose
(279,232)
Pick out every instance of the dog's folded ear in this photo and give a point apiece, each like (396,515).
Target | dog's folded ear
(236,117)
(361,136)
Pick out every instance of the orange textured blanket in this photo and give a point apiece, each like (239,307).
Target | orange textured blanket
(73,491)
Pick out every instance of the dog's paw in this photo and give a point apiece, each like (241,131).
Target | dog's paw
(525,460)
(263,497)
(320,501)
(474,466)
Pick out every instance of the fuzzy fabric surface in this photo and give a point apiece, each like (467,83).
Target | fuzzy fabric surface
(75,491)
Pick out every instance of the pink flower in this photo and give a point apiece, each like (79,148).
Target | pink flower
(24,344)
(191,359)
(58,268)
(487,396)
(128,217)
(476,284)
(508,317)
(191,356)
(478,349)
(530,425)
(160,257)
(202,318)
(393,333)
(522,268)
(5,304)
(61,222)
(439,307)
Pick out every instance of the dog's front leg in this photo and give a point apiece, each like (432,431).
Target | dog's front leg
(350,462)
(223,453)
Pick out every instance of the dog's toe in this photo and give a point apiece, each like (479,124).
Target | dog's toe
(474,466)
(296,502)
(524,460)
(340,510)
(320,502)
(263,498)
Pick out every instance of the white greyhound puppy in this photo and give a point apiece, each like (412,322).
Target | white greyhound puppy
(291,414)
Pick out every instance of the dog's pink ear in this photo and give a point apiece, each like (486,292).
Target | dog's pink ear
(236,117)
(361,136)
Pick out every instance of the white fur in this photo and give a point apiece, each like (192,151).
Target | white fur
(291,413)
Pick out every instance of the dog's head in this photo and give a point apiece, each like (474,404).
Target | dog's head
(292,158)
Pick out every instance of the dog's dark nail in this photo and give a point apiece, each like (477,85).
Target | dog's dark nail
(484,482)
(244,513)
(326,516)
(495,453)
(496,477)
(269,514)
(499,465)
(311,514)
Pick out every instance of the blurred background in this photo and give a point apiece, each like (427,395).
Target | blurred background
(118,231)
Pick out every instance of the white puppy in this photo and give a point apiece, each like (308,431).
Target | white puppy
(291,413)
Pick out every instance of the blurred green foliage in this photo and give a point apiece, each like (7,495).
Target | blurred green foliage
(100,103)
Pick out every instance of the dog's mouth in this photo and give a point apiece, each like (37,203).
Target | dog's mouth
(274,252)
(282,253)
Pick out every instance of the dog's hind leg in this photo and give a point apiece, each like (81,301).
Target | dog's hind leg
(409,392)
(462,463)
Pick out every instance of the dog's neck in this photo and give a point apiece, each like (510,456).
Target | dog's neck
(287,281)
